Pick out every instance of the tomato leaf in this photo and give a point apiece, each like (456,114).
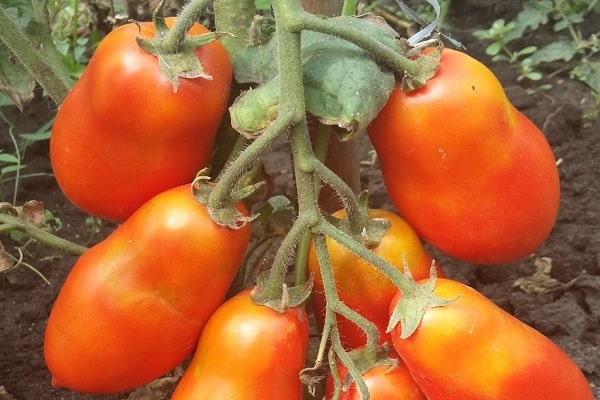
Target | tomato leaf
(33,212)
(15,80)
(6,262)
(344,87)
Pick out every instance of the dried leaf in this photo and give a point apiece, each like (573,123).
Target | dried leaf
(6,262)
(33,212)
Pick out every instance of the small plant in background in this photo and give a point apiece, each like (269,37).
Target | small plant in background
(12,169)
(574,45)
(71,23)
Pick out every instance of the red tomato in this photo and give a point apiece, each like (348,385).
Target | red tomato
(248,352)
(384,383)
(133,306)
(471,174)
(122,135)
(360,285)
(471,349)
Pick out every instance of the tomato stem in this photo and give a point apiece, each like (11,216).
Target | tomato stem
(175,37)
(9,222)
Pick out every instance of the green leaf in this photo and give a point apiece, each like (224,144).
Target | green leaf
(493,49)
(262,4)
(11,168)
(256,64)
(588,72)
(20,11)
(533,15)
(563,50)
(343,85)
(278,213)
(8,158)
(15,81)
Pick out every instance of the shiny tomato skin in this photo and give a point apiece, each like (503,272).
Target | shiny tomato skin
(384,383)
(248,352)
(471,174)
(471,349)
(122,135)
(360,285)
(133,306)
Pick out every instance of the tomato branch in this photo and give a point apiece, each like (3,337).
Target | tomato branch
(414,72)
(9,222)
(232,173)
(39,60)
(175,37)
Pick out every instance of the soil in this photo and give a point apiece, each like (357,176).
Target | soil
(563,304)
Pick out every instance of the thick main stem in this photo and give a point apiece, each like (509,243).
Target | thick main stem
(291,103)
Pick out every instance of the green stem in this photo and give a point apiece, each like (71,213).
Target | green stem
(331,296)
(291,102)
(339,351)
(284,254)
(245,161)
(320,151)
(75,26)
(382,53)
(19,261)
(349,7)
(33,59)
(174,39)
(297,20)
(403,282)
(355,217)
(39,234)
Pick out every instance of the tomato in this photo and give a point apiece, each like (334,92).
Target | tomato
(471,174)
(248,351)
(384,382)
(133,306)
(360,285)
(122,135)
(471,349)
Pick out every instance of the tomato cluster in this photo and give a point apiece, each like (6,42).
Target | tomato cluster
(481,186)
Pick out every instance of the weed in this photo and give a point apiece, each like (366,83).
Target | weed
(567,18)
(11,163)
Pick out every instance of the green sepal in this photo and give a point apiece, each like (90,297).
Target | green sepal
(283,299)
(365,359)
(228,214)
(411,307)
(428,65)
(183,64)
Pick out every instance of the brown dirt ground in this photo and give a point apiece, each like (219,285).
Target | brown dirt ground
(569,315)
